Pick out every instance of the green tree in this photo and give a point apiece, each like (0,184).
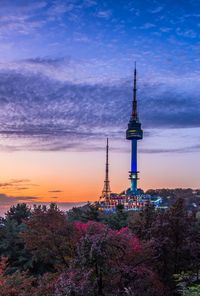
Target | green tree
(11,243)
(19,213)
(88,212)
(141,223)
(192,291)
(116,220)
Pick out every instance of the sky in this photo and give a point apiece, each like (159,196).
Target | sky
(66,79)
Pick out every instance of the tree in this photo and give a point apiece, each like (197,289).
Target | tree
(50,238)
(88,212)
(108,262)
(16,284)
(141,224)
(171,234)
(19,213)
(12,245)
(45,285)
(192,291)
(116,220)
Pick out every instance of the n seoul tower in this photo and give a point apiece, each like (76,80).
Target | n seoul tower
(134,133)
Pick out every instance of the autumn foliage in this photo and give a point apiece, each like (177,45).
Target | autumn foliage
(47,252)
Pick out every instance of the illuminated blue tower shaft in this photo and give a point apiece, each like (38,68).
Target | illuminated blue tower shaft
(134,172)
(134,133)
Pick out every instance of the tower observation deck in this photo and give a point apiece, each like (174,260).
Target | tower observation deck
(134,133)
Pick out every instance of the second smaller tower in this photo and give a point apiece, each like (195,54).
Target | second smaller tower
(106,189)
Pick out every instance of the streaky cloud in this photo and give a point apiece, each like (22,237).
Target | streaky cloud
(39,112)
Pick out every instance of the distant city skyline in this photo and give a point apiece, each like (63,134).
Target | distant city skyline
(66,80)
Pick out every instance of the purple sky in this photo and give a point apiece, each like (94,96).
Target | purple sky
(66,70)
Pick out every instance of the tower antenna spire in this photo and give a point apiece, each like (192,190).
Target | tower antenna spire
(106,189)
(134,108)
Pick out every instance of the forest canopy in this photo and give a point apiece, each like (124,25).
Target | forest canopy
(45,251)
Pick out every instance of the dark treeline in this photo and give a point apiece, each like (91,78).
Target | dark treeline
(85,252)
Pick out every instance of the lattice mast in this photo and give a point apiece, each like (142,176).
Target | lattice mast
(106,189)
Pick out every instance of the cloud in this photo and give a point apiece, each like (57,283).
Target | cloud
(60,8)
(22,188)
(89,3)
(165,29)
(186,33)
(188,149)
(54,103)
(13,183)
(80,37)
(104,14)
(22,6)
(55,191)
(157,9)
(39,110)
(21,18)
(148,26)
(17,184)
(26,18)
(10,200)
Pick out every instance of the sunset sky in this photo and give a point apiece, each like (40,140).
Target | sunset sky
(66,71)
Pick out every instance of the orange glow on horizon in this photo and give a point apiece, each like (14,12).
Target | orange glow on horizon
(78,176)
